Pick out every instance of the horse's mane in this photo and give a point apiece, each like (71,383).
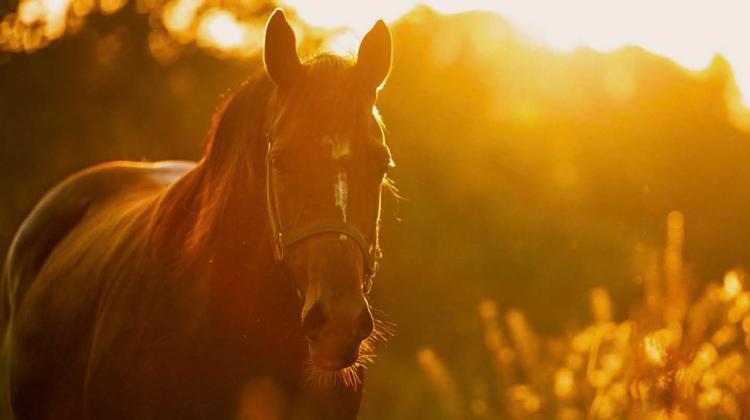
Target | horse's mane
(236,144)
(235,147)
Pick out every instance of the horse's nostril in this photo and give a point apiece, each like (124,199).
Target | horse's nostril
(313,321)
(365,324)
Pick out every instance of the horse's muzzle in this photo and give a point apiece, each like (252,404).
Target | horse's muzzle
(335,332)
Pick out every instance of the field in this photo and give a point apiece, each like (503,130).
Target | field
(678,355)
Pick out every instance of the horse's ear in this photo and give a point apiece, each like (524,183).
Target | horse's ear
(374,57)
(280,54)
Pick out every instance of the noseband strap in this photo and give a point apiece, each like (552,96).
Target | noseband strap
(286,239)
(283,240)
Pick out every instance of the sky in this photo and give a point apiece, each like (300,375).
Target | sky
(690,32)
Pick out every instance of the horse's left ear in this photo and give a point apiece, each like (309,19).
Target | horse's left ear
(280,52)
(374,57)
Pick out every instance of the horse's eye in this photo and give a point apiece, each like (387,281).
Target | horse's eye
(278,164)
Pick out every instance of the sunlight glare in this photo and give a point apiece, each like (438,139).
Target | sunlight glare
(111,6)
(50,14)
(179,15)
(31,11)
(345,43)
(221,28)
(732,286)
(359,17)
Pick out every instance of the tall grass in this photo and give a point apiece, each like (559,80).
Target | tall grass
(679,355)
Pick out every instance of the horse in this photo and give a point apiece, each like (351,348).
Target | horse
(235,287)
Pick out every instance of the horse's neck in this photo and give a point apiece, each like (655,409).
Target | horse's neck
(242,234)
(242,313)
(250,295)
(239,233)
(239,249)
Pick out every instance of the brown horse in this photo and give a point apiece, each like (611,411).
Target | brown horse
(231,288)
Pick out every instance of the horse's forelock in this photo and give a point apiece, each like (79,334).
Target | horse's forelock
(326,96)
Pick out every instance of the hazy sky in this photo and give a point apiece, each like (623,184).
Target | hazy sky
(688,31)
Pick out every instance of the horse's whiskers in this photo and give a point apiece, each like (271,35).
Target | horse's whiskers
(390,185)
(350,376)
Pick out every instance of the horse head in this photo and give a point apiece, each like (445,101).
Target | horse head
(325,168)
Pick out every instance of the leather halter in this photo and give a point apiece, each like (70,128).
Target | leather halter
(283,240)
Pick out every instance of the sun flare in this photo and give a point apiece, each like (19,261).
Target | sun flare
(222,29)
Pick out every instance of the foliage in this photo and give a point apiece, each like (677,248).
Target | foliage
(675,357)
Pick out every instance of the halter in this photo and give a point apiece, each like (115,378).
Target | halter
(283,240)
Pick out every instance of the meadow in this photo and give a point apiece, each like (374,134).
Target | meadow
(678,355)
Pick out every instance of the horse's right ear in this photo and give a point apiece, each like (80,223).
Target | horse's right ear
(280,55)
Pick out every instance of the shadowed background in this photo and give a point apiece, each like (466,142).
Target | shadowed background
(530,175)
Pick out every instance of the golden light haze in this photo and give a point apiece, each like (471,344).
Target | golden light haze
(221,29)
(689,32)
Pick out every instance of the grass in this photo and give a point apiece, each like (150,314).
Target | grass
(679,355)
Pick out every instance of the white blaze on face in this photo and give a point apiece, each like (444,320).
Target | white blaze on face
(340,193)
(340,149)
